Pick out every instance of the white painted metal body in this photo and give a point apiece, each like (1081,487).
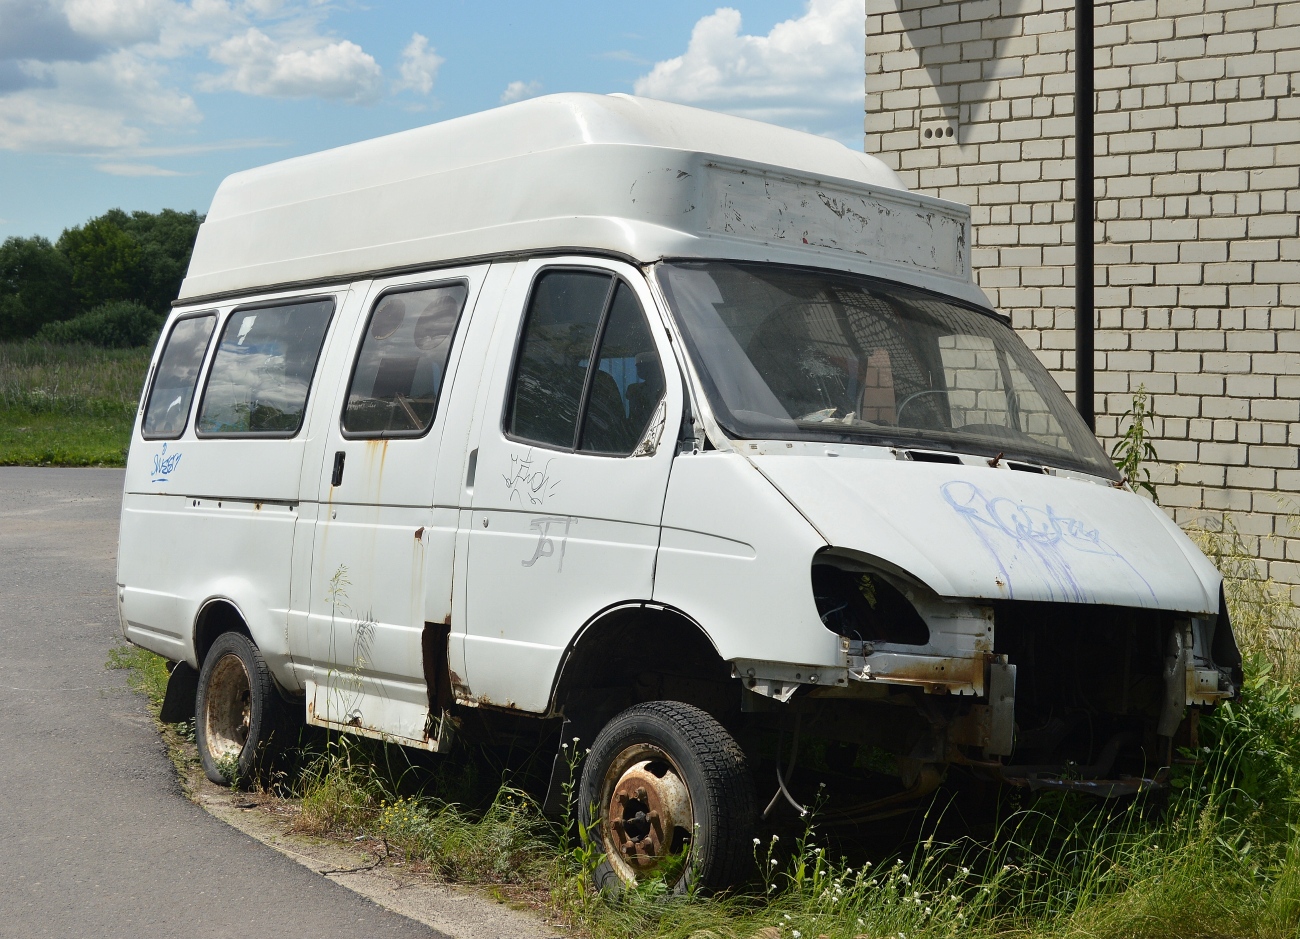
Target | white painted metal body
(517,548)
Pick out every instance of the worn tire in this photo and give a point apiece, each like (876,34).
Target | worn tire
(677,743)
(238,712)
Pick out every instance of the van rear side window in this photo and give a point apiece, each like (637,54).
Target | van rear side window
(168,407)
(401,363)
(263,368)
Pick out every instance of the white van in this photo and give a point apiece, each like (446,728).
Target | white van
(686,436)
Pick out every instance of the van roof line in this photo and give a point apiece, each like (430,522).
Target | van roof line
(616,174)
(433,269)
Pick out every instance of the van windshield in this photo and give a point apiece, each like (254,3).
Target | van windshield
(798,354)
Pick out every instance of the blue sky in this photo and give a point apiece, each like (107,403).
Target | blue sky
(146,104)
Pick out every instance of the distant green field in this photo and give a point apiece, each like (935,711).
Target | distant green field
(68,405)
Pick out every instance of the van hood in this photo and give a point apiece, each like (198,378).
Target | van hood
(979,532)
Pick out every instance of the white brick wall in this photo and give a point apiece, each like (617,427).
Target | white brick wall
(1198,189)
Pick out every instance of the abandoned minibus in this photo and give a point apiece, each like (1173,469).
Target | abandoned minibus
(686,436)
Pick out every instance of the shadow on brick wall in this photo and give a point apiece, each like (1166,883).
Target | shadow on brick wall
(957,45)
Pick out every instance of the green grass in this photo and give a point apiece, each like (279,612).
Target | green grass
(147,673)
(68,405)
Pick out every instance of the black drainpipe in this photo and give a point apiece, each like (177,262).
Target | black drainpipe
(1083,212)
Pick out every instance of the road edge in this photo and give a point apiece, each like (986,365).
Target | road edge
(451,911)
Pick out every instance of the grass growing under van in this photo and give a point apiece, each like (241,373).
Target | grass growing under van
(1217,856)
(68,405)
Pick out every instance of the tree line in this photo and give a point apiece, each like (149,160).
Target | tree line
(109,282)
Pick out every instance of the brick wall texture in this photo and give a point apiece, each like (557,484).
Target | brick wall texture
(1198,261)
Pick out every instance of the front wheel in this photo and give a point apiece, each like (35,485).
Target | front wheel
(237,711)
(667,793)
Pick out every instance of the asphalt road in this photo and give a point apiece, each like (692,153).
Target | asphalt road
(96,838)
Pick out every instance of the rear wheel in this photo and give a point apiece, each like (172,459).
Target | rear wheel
(667,793)
(238,711)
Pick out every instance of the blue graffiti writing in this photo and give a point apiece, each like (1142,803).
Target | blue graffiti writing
(529,483)
(1032,545)
(164,465)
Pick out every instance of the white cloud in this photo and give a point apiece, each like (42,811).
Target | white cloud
(135,169)
(118,21)
(805,73)
(92,106)
(112,78)
(258,65)
(419,66)
(518,91)
(48,126)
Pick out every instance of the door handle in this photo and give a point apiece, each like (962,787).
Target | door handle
(337,478)
(473,468)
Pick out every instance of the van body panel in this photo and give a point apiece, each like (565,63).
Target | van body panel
(215,517)
(735,557)
(982,533)
(180,553)
(570,533)
(454,478)
(378,559)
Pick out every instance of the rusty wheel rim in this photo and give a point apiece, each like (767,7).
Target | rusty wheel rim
(648,818)
(229,708)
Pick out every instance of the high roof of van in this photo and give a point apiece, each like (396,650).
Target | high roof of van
(613,174)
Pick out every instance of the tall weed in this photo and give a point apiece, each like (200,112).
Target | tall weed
(1264,619)
(40,377)
(357,787)
(506,843)
(342,790)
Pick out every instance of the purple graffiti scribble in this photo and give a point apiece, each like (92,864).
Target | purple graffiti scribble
(1036,543)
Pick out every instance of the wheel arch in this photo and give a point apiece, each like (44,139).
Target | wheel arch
(217,615)
(622,648)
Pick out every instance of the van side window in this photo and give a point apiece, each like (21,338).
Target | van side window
(263,369)
(627,383)
(554,352)
(400,366)
(554,389)
(168,407)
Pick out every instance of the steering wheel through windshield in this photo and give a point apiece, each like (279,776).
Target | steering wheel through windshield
(912,397)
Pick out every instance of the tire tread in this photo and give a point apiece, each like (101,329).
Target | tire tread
(725,772)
